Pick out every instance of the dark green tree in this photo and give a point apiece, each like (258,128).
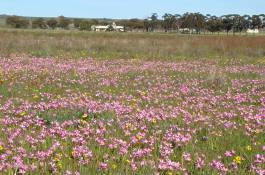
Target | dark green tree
(147,25)
(213,24)
(256,21)
(247,21)
(199,22)
(178,21)
(227,23)
(77,23)
(110,28)
(131,24)
(193,21)
(153,21)
(262,17)
(52,23)
(63,22)
(85,25)
(39,23)
(169,22)
(240,23)
(136,24)
(17,22)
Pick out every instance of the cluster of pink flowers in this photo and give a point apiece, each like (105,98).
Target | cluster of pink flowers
(151,117)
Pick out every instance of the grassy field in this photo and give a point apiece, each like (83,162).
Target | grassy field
(108,103)
(75,44)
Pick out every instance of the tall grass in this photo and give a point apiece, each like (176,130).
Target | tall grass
(75,44)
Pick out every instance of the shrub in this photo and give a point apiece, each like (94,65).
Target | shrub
(52,23)
(39,23)
(63,22)
(17,22)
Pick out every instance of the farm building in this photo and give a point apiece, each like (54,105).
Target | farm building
(253,31)
(187,30)
(111,27)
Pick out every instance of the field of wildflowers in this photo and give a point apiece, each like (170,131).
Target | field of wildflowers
(89,116)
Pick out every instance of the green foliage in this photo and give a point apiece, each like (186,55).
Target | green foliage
(227,23)
(151,23)
(239,23)
(39,23)
(169,22)
(256,21)
(77,23)
(52,23)
(17,22)
(63,22)
(193,21)
(214,24)
(85,25)
(131,24)
(110,28)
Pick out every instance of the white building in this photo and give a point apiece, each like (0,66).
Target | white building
(105,28)
(253,31)
(187,30)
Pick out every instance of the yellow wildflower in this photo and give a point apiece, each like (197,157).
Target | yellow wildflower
(257,131)
(114,166)
(84,116)
(139,137)
(1,148)
(128,161)
(128,125)
(35,97)
(56,159)
(248,148)
(60,165)
(169,173)
(72,153)
(154,121)
(83,122)
(237,159)
(59,155)
(22,113)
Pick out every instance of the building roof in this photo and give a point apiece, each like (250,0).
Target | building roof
(107,26)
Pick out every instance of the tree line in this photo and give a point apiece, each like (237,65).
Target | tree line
(191,22)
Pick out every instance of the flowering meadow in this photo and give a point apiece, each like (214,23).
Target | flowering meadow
(92,116)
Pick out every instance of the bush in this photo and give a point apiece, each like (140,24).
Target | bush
(39,23)
(63,22)
(52,23)
(77,23)
(85,25)
(110,28)
(17,22)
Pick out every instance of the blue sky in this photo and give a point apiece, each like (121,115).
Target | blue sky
(127,8)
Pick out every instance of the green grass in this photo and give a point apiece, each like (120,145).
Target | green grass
(217,53)
(76,44)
